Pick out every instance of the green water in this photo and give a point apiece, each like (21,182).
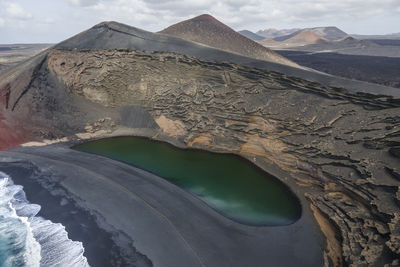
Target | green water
(231,185)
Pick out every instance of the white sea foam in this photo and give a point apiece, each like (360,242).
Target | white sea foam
(29,240)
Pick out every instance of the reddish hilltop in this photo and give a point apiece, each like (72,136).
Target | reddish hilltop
(205,29)
(306,37)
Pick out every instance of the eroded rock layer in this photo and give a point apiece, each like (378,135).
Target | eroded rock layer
(342,148)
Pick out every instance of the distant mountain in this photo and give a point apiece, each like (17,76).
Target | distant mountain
(350,39)
(350,46)
(286,37)
(305,37)
(329,33)
(268,42)
(310,40)
(207,30)
(297,39)
(273,33)
(251,35)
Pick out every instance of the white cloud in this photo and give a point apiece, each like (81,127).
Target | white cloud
(98,7)
(48,21)
(2,22)
(238,13)
(84,3)
(15,11)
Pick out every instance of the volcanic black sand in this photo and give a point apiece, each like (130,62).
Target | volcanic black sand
(374,69)
(101,247)
(119,211)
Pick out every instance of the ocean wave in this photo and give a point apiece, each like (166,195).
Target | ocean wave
(30,240)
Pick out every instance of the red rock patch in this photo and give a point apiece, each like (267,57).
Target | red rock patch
(9,136)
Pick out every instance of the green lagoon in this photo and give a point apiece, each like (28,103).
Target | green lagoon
(231,185)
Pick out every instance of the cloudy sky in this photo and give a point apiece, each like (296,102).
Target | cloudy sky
(33,21)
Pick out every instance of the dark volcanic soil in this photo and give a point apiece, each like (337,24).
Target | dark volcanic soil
(380,70)
(387,42)
(348,46)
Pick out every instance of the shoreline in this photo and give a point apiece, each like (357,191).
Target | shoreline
(167,224)
(102,247)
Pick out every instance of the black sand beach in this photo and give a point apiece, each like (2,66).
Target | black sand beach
(102,247)
(117,210)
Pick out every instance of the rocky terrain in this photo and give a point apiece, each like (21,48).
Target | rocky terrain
(339,145)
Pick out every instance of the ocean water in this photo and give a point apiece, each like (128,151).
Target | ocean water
(29,240)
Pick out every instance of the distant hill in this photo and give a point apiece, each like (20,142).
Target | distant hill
(329,33)
(251,35)
(207,30)
(268,42)
(273,33)
(312,40)
(351,46)
(286,37)
(297,39)
(306,37)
